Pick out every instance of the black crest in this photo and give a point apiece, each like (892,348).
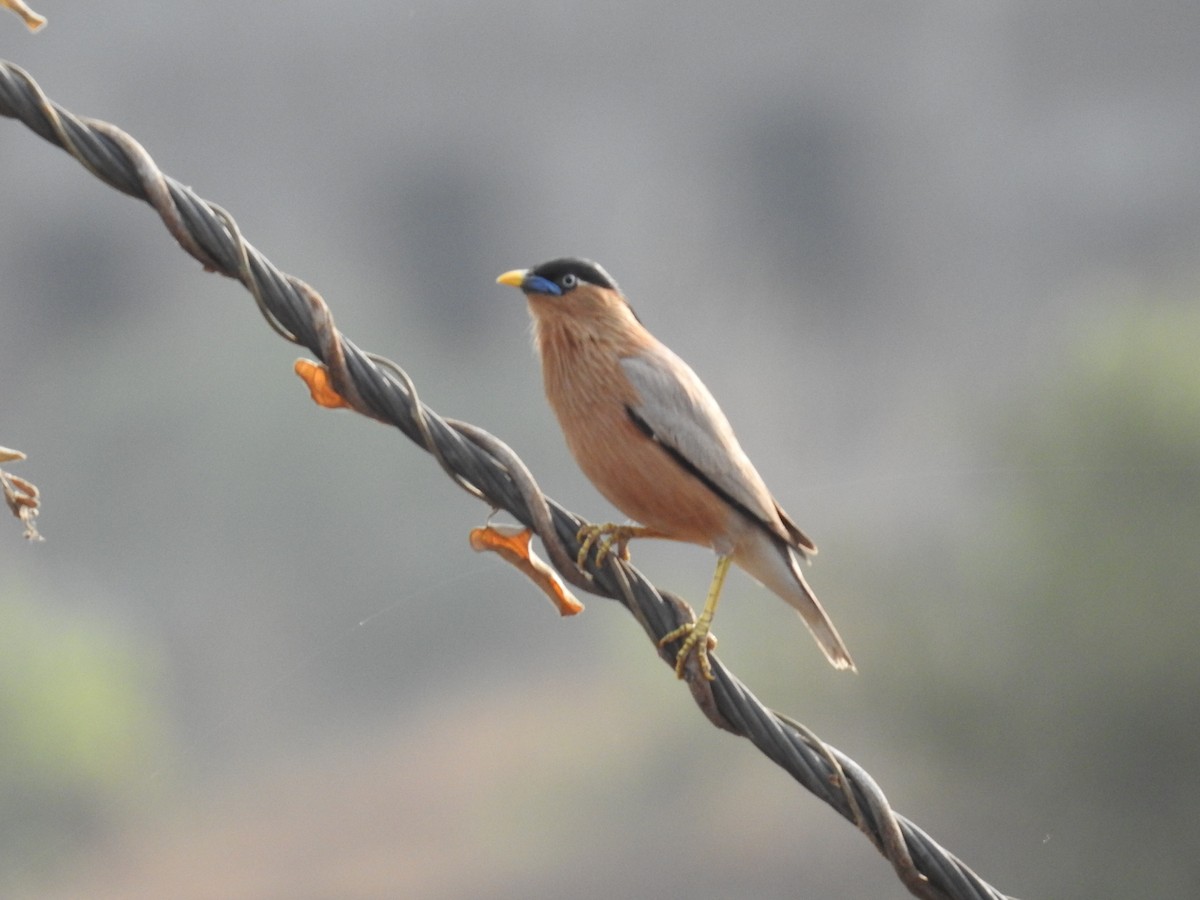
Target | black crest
(583,269)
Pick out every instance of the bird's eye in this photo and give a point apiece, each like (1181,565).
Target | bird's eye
(568,281)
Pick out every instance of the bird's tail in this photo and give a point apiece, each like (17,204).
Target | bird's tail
(777,567)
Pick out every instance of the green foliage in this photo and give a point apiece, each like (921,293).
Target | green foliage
(1098,575)
(1112,500)
(79,733)
(1052,638)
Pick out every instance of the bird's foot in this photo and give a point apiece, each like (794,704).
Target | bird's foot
(698,639)
(604,538)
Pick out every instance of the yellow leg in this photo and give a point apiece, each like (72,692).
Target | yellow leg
(696,634)
(605,537)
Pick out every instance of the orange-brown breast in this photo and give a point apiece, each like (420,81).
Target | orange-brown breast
(590,394)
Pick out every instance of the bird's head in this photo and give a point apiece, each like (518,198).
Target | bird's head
(570,287)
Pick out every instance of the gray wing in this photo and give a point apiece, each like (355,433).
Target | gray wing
(678,411)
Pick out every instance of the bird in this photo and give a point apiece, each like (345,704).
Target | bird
(649,435)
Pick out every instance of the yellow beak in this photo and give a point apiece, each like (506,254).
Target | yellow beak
(513,278)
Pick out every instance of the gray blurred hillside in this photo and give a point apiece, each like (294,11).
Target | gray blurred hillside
(937,261)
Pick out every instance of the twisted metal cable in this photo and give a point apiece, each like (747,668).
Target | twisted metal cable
(488,469)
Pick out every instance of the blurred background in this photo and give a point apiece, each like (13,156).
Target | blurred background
(937,261)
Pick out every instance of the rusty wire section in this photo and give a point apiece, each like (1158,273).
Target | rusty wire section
(488,469)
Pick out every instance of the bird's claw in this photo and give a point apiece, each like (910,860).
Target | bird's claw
(604,538)
(698,639)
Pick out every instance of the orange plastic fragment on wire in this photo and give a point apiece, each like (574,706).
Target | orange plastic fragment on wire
(316,376)
(31,19)
(511,543)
